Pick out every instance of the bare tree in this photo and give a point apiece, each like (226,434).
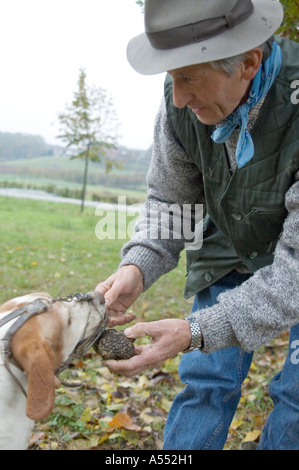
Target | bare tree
(89,127)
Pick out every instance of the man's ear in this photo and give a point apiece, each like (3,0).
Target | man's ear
(251,64)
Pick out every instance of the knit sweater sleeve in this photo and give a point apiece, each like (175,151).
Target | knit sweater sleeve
(173,180)
(265,305)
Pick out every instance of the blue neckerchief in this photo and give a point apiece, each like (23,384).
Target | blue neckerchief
(261,84)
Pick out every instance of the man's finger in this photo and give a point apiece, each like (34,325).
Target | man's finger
(139,330)
(120,318)
(145,359)
(129,367)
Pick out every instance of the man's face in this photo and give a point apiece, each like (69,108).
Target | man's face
(211,94)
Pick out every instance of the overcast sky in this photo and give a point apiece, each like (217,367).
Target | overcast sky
(44,43)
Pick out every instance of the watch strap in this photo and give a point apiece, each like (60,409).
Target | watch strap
(197,339)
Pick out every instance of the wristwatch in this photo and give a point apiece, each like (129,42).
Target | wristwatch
(197,338)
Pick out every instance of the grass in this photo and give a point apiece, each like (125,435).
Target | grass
(53,247)
(48,184)
(63,173)
(63,163)
(46,246)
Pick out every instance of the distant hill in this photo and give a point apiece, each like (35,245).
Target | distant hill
(18,146)
(131,159)
(15,146)
(27,161)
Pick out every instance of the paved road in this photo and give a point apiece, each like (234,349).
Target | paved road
(44,196)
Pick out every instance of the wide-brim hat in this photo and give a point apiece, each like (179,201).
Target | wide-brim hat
(179,33)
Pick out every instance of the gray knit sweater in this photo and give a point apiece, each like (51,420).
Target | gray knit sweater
(247,316)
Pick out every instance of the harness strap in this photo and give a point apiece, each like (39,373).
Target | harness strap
(37,304)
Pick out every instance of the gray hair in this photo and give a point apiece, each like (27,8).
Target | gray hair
(231,64)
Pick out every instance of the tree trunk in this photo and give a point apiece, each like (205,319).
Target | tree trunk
(84,180)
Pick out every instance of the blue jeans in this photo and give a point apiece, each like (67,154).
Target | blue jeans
(201,414)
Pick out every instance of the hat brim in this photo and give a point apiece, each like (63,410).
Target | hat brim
(258,28)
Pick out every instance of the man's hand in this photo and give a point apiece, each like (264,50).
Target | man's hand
(120,291)
(168,338)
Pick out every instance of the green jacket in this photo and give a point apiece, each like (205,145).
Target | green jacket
(245,210)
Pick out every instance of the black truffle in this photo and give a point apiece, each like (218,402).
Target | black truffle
(114,345)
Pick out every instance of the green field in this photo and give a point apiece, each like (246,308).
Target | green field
(63,176)
(52,247)
(64,163)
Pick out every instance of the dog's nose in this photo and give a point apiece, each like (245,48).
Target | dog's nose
(98,297)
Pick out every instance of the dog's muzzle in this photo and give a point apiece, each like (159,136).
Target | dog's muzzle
(98,301)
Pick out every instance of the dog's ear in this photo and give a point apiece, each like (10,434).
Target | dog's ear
(37,361)
(41,383)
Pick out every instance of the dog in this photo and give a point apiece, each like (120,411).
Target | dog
(37,350)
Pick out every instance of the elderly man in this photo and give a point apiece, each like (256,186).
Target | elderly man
(226,135)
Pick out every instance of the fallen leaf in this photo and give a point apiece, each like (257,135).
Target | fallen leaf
(38,436)
(252,435)
(143,382)
(103,439)
(86,415)
(93,440)
(147,429)
(251,397)
(148,417)
(107,387)
(114,435)
(236,423)
(257,378)
(114,406)
(166,404)
(79,363)
(122,420)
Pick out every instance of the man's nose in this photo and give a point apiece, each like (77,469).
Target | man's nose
(181,95)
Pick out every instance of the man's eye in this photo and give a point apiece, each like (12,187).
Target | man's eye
(191,80)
